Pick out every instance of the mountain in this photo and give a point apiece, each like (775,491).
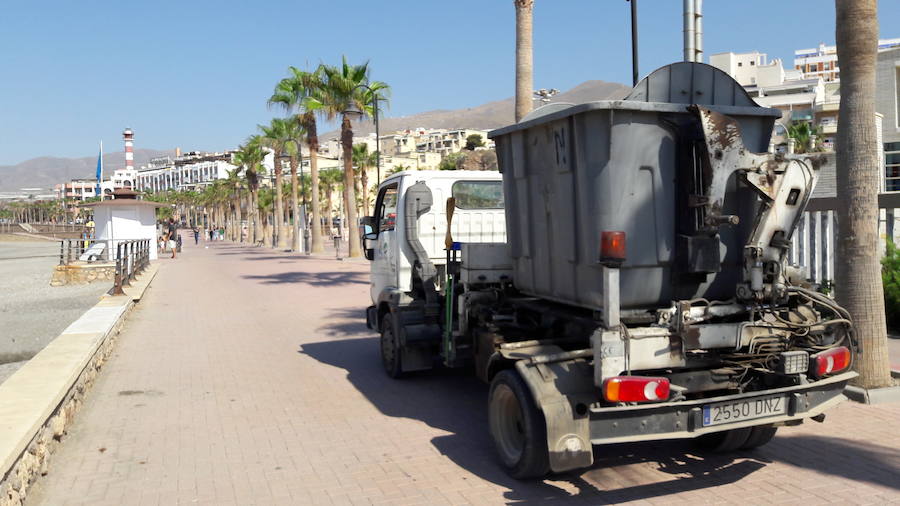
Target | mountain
(487,116)
(44,172)
(47,171)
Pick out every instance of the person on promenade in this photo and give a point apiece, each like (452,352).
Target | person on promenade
(196,235)
(171,235)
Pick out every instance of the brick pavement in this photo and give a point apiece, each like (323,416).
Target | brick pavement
(248,377)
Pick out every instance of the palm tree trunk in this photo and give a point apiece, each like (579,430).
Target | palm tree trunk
(329,202)
(859,287)
(316,245)
(295,204)
(254,232)
(524,58)
(364,182)
(279,207)
(238,227)
(349,193)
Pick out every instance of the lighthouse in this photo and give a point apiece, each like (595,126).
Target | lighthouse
(127,177)
(128,136)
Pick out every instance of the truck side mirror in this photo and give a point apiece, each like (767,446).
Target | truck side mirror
(369,234)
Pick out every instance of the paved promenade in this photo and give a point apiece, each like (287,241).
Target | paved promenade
(248,377)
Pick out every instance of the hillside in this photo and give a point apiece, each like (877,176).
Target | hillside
(44,172)
(487,116)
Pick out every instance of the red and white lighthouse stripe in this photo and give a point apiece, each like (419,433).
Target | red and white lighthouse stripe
(128,135)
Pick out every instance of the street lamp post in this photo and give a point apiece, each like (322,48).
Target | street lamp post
(354,111)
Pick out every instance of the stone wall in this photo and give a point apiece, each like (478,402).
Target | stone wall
(35,460)
(81,273)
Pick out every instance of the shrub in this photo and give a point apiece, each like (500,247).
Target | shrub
(890,277)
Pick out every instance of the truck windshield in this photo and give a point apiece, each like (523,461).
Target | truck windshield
(478,194)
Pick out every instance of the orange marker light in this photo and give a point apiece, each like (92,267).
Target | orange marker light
(612,247)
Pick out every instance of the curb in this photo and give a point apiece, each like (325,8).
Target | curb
(39,401)
(874,395)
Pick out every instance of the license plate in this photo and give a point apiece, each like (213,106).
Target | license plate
(738,411)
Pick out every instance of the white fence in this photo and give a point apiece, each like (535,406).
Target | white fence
(814,246)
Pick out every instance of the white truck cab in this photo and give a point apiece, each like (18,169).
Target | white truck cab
(478,216)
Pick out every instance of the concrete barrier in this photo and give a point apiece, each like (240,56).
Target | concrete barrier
(39,401)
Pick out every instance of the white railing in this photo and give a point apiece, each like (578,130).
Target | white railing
(813,247)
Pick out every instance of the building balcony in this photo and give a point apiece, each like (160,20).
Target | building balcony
(829,106)
(828,128)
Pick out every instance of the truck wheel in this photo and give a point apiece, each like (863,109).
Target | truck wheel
(390,348)
(759,435)
(725,441)
(517,427)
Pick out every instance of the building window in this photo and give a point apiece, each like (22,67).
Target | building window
(892,166)
(752,63)
(740,64)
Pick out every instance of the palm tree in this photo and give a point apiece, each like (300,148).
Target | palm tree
(524,57)
(294,93)
(264,203)
(858,282)
(296,132)
(277,136)
(363,160)
(250,156)
(340,93)
(233,184)
(805,135)
(330,180)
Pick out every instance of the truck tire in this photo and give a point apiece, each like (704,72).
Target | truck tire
(517,427)
(725,441)
(759,435)
(390,348)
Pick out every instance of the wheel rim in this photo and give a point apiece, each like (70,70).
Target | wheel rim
(507,424)
(388,353)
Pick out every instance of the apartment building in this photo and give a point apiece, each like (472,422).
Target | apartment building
(191,171)
(887,102)
(822,61)
(83,189)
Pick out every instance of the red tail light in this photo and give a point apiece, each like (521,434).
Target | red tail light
(635,389)
(830,361)
(612,247)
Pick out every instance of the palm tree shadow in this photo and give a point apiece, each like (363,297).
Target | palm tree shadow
(316,279)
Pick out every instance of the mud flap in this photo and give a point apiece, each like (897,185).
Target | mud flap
(418,341)
(556,388)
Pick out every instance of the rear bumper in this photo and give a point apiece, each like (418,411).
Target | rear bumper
(684,419)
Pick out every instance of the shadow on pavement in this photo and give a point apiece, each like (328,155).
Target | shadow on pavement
(455,401)
(322,279)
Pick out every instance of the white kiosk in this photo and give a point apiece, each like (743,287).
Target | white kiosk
(124,218)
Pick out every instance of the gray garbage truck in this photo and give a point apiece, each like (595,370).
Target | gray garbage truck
(623,278)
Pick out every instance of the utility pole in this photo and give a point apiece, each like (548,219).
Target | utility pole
(634,43)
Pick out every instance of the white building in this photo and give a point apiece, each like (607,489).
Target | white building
(191,171)
(83,189)
(124,219)
(822,61)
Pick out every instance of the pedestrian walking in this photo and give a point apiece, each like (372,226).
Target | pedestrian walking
(196,235)
(171,235)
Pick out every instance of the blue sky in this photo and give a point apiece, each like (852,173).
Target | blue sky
(197,73)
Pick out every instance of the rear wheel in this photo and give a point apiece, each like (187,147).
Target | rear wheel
(759,435)
(725,441)
(517,427)
(390,348)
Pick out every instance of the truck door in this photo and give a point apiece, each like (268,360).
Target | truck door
(384,264)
